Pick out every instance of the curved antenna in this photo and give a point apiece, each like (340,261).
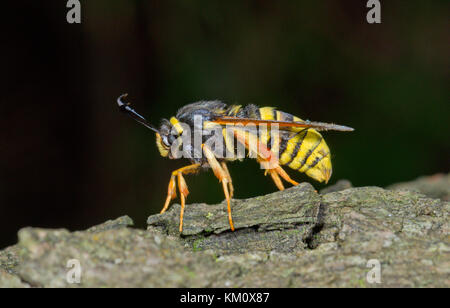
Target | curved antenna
(126,107)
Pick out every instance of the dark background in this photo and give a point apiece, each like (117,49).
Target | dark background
(70,159)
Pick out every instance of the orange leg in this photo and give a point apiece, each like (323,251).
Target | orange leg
(222,175)
(183,194)
(276,179)
(182,187)
(284,175)
(230,182)
(266,157)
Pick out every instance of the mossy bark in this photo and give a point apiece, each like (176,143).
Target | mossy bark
(294,238)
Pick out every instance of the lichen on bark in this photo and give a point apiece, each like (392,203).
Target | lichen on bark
(293,238)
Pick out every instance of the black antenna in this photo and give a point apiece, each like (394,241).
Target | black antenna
(126,107)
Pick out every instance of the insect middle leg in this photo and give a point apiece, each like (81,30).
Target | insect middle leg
(223,177)
(230,182)
(182,187)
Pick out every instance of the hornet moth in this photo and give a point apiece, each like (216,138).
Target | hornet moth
(286,141)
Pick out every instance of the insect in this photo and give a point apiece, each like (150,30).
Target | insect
(286,141)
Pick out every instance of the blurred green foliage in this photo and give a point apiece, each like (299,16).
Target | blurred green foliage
(319,60)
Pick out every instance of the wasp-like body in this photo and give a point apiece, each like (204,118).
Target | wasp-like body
(286,140)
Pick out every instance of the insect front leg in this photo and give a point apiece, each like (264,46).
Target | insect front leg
(171,192)
(182,187)
(183,194)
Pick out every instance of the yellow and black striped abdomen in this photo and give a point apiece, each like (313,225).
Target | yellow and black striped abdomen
(301,149)
(306,151)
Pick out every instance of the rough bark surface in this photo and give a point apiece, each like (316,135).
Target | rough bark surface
(294,238)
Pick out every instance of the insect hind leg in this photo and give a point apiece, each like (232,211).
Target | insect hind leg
(266,157)
(276,179)
(280,171)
